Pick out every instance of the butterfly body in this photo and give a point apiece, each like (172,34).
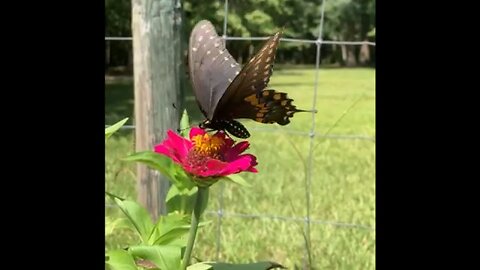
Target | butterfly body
(231,126)
(226,92)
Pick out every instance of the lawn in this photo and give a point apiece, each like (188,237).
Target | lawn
(342,185)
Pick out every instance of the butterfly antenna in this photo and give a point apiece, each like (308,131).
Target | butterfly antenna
(311,111)
(183,129)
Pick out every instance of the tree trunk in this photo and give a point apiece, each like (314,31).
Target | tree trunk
(351,60)
(364,54)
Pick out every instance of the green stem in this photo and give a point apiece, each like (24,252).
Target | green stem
(202,191)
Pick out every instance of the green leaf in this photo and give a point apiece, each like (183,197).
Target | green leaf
(164,257)
(238,180)
(153,160)
(120,260)
(181,202)
(249,266)
(371,33)
(170,228)
(165,165)
(113,128)
(111,224)
(258,19)
(199,266)
(184,124)
(137,215)
(184,203)
(182,180)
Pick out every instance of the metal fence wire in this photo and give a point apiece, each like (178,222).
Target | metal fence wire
(220,213)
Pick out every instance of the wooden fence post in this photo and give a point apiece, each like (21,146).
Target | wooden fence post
(157,46)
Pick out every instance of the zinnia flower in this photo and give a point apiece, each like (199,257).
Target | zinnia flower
(207,156)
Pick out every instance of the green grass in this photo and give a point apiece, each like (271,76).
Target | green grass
(342,187)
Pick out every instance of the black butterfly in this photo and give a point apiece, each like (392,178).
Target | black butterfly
(225,92)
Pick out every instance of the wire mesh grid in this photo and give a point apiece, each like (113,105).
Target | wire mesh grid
(220,213)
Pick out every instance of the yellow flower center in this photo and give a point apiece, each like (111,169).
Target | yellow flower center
(208,145)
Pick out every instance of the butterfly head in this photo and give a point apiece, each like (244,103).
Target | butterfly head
(205,124)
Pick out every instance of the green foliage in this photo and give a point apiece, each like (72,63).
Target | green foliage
(137,215)
(372,33)
(237,179)
(184,124)
(113,128)
(229,266)
(344,20)
(183,202)
(120,260)
(160,244)
(170,230)
(166,166)
(118,17)
(165,257)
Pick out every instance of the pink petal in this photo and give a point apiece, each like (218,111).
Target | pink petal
(196,131)
(174,146)
(213,167)
(169,152)
(228,141)
(242,163)
(232,153)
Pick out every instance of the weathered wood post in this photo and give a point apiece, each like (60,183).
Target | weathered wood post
(157,47)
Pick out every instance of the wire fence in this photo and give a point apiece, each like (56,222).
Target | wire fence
(220,213)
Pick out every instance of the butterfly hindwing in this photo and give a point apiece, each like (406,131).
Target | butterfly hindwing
(271,107)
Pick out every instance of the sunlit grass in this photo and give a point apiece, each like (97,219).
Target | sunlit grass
(342,184)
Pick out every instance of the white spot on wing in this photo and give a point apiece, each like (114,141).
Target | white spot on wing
(200,38)
(194,49)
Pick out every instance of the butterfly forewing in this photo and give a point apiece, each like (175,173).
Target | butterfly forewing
(255,75)
(247,98)
(212,68)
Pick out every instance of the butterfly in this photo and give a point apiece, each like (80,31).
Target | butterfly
(224,91)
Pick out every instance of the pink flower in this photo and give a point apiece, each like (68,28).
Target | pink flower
(206,155)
